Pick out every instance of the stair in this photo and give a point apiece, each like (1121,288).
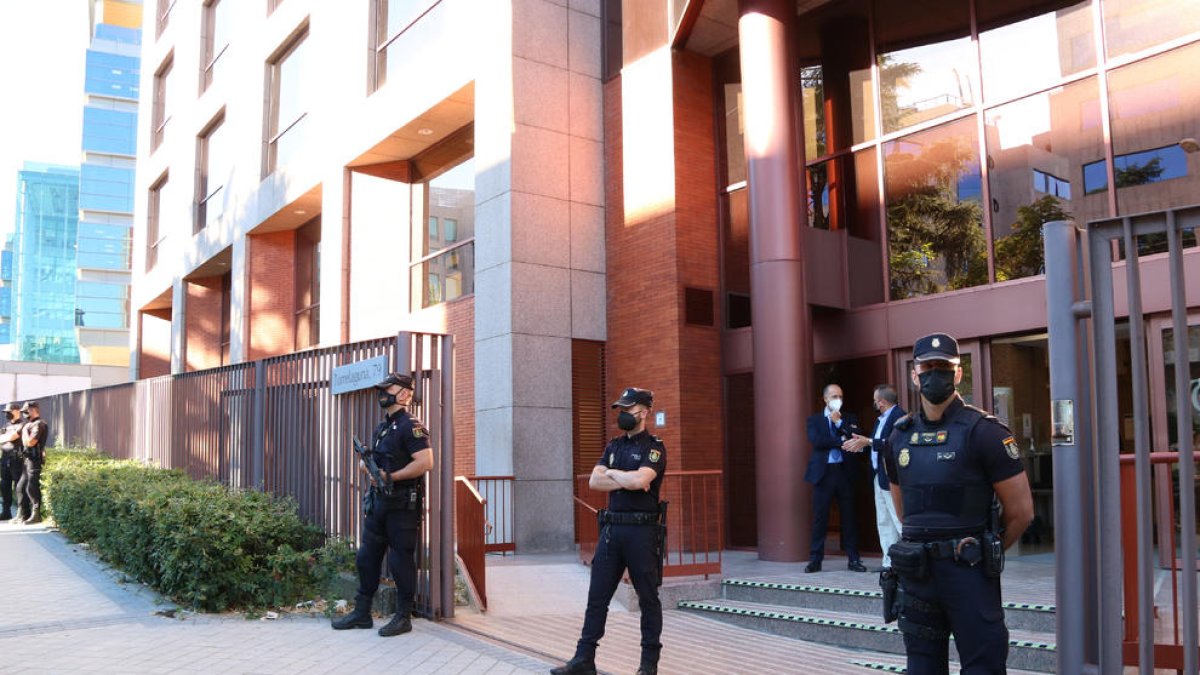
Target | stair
(850,618)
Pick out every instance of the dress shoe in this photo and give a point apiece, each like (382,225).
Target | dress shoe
(814,566)
(579,665)
(857,566)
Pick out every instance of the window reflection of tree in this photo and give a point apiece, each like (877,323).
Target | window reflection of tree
(935,242)
(1020,254)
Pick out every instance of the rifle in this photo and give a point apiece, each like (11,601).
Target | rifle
(380,479)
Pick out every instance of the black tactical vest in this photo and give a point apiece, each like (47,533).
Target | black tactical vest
(946,493)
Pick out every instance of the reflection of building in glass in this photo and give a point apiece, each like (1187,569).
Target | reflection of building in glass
(101,315)
(44,264)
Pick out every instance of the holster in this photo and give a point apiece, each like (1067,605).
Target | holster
(368,501)
(910,560)
(660,541)
(889,583)
(993,554)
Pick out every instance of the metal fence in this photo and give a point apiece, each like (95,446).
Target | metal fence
(497,493)
(1093,555)
(273,424)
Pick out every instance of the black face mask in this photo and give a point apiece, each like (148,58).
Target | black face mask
(386,400)
(626,421)
(937,385)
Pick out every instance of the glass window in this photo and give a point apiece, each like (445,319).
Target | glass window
(216,38)
(154,235)
(1133,25)
(934,216)
(444,267)
(308,284)
(433,227)
(111,75)
(163,15)
(1153,105)
(215,166)
(736,259)
(1036,152)
(392,18)
(161,113)
(835,81)
(927,63)
(105,188)
(735,149)
(111,132)
(289,105)
(1020,56)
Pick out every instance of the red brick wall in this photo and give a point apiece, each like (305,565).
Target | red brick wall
(271,295)
(202,323)
(460,322)
(697,257)
(154,343)
(649,264)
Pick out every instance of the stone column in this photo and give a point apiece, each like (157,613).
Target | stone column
(781,338)
(178,326)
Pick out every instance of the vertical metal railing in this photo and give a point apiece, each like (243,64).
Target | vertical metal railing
(1098,565)
(497,492)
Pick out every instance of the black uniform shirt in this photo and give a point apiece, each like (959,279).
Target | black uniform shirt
(35,430)
(993,454)
(627,453)
(397,438)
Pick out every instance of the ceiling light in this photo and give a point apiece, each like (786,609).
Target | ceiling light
(299,212)
(1190,145)
(425,131)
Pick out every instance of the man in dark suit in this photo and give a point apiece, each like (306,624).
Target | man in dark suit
(832,476)
(886,520)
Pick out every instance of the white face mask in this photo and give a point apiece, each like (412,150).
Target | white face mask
(835,404)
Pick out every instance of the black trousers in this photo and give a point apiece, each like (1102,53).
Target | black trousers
(835,484)
(11,469)
(29,488)
(970,610)
(623,547)
(392,531)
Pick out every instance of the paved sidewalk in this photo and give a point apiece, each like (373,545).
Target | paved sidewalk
(61,611)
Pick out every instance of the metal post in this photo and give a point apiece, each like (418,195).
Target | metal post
(446,475)
(258,430)
(1141,449)
(1183,426)
(1107,454)
(1084,440)
(1059,238)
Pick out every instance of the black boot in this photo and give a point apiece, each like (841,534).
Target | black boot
(580,665)
(647,669)
(34,517)
(401,623)
(6,515)
(359,618)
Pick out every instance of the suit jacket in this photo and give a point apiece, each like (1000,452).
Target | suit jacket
(823,440)
(879,444)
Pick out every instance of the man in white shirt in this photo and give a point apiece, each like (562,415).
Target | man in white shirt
(886,520)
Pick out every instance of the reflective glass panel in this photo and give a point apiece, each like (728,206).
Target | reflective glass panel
(1133,25)
(927,64)
(1026,54)
(292,103)
(1036,149)
(1154,104)
(736,258)
(934,216)
(452,202)
(445,277)
(735,150)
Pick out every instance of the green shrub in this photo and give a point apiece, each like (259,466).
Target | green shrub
(202,544)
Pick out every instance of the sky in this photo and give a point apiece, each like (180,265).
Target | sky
(42,46)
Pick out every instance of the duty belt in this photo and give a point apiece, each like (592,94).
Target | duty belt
(628,517)
(948,548)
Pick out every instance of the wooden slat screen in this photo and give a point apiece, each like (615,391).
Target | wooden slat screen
(588,408)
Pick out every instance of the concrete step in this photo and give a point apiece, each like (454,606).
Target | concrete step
(1027,650)
(1018,616)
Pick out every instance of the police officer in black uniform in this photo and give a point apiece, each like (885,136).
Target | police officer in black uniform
(12,458)
(400,446)
(963,497)
(631,471)
(34,433)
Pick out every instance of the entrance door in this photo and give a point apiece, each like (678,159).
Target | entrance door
(971,388)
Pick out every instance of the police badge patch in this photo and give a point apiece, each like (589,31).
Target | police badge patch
(655,455)
(1010,446)
(903,459)
(418,432)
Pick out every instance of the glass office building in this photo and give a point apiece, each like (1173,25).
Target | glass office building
(43,271)
(106,182)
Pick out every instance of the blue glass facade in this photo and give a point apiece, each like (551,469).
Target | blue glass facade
(106,188)
(109,131)
(111,75)
(43,290)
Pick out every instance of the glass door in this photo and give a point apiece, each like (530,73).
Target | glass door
(971,387)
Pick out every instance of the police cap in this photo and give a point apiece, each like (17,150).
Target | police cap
(405,381)
(936,347)
(10,407)
(633,396)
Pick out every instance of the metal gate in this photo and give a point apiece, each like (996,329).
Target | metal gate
(1105,590)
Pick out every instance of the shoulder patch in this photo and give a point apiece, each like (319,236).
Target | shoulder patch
(1010,446)
(418,431)
(655,455)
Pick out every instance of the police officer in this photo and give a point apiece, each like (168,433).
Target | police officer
(12,458)
(400,446)
(29,487)
(631,472)
(963,497)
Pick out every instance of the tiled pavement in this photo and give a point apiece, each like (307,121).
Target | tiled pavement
(63,612)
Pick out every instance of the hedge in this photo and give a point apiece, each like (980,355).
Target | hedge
(198,542)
